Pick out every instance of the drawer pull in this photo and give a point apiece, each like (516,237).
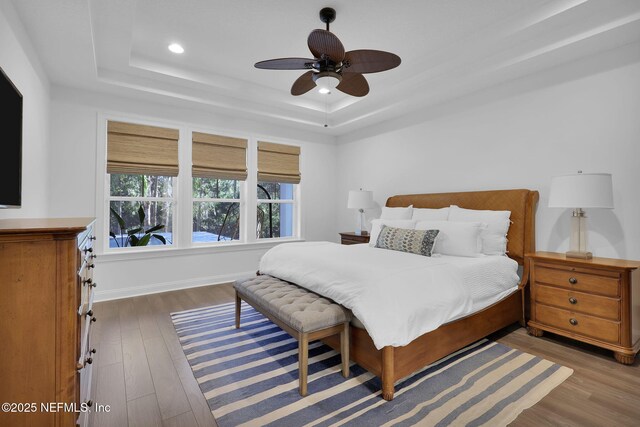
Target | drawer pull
(87,281)
(92,266)
(89,360)
(88,250)
(89,403)
(92,238)
(573,280)
(90,313)
(573,321)
(93,285)
(93,319)
(93,351)
(572,300)
(93,256)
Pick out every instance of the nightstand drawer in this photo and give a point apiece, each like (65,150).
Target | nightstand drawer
(350,238)
(580,324)
(351,242)
(579,280)
(594,305)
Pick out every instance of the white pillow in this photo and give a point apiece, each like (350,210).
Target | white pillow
(494,236)
(455,238)
(397,213)
(376,227)
(428,214)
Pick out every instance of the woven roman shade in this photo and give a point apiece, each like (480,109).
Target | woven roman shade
(140,149)
(219,157)
(278,163)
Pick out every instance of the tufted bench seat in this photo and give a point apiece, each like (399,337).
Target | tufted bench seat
(302,314)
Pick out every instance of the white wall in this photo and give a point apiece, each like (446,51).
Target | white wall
(72,174)
(591,123)
(19,62)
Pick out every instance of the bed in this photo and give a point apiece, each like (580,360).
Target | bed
(394,362)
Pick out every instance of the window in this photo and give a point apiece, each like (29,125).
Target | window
(275,210)
(163,184)
(219,165)
(216,210)
(130,193)
(141,161)
(278,172)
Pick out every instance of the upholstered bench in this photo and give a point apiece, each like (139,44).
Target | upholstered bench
(302,314)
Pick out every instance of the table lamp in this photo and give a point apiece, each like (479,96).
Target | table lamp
(361,200)
(577,191)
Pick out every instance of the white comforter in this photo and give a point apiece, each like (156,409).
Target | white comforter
(397,296)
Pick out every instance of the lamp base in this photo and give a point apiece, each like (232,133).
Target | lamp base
(576,254)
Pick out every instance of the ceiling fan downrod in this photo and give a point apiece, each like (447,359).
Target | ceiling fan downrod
(327,15)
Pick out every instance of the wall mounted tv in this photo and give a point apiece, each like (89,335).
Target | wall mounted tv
(10,144)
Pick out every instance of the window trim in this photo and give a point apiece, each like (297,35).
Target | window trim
(183,194)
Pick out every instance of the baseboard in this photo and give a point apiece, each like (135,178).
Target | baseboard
(113,294)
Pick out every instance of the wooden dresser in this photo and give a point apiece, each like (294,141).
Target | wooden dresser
(596,301)
(46,296)
(351,238)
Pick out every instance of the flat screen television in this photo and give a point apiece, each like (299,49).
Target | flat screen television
(10,143)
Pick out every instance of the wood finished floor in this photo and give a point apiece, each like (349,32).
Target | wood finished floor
(141,371)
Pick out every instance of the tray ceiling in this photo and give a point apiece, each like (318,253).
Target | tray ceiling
(449,49)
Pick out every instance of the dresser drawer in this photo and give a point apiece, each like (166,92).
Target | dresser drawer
(87,352)
(582,280)
(578,323)
(85,398)
(606,307)
(87,287)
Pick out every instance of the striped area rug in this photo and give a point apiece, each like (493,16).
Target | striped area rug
(250,377)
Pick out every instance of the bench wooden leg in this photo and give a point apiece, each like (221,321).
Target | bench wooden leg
(303,355)
(387,373)
(238,304)
(344,349)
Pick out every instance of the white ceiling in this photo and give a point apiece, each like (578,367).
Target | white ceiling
(449,49)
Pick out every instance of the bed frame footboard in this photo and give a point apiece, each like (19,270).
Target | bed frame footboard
(394,363)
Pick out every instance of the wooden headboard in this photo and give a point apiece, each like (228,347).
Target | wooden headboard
(521,203)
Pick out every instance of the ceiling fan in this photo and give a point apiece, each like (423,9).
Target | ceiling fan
(331,66)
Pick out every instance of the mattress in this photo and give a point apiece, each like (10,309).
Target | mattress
(485,280)
(396,296)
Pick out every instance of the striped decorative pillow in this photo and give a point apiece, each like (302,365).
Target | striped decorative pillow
(419,242)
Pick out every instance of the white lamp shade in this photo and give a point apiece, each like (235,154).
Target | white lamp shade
(581,190)
(360,199)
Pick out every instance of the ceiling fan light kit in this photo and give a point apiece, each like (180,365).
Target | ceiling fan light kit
(326,81)
(332,67)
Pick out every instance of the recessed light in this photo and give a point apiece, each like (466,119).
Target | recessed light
(324,90)
(176,48)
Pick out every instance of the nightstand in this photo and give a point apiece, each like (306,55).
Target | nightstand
(596,301)
(351,238)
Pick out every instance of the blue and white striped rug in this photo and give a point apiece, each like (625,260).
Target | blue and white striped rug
(250,377)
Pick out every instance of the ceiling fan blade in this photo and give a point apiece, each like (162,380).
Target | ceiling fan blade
(353,84)
(303,84)
(286,64)
(322,42)
(369,61)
